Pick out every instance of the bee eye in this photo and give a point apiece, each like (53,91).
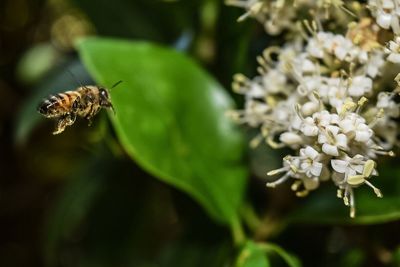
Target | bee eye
(103,93)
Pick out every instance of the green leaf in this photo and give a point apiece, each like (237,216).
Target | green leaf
(324,207)
(290,260)
(396,257)
(252,256)
(170,118)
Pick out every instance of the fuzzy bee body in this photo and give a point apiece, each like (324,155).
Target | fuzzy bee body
(85,102)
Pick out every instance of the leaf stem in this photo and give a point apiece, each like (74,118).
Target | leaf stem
(291,260)
(250,217)
(238,234)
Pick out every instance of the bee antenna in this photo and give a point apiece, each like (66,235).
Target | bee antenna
(116,84)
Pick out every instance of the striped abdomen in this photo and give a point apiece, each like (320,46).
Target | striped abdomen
(58,105)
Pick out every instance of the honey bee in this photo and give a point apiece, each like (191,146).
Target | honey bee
(86,101)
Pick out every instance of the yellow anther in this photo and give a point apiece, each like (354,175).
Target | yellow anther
(352,212)
(369,167)
(362,101)
(356,179)
(302,193)
(256,141)
(295,186)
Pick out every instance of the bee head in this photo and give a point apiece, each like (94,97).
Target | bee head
(105,100)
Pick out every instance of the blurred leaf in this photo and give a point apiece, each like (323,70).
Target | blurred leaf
(108,215)
(353,258)
(290,260)
(396,257)
(233,58)
(59,81)
(36,62)
(144,19)
(193,254)
(171,119)
(252,256)
(103,217)
(76,200)
(324,207)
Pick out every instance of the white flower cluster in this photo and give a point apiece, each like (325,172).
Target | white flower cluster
(279,15)
(387,13)
(320,96)
(393,50)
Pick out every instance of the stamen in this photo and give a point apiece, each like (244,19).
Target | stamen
(310,29)
(363,100)
(297,108)
(369,167)
(352,204)
(339,193)
(267,53)
(279,181)
(300,28)
(385,153)
(376,190)
(302,193)
(318,98)
(295,186)
(346,196)
(273,144)
(280,170)
(348,105)
(377,117)
(234,115)
(256,141)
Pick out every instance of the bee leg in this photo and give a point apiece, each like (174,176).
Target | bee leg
(92,114)
(63,122)
(70,118)
(89,118)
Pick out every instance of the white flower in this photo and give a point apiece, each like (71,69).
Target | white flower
(335,44)
(290,138)
(274,81)
(375,63)
(254,114)
(393,49)
(290,167)
(355,124)
(305,168)
(309,108)
(341,47)
(250,88)
(386,102)
(315,48)
(309,127)
(360,86)
(310,164)
(350,173)
(387,13)
(322,94)
(332,140)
